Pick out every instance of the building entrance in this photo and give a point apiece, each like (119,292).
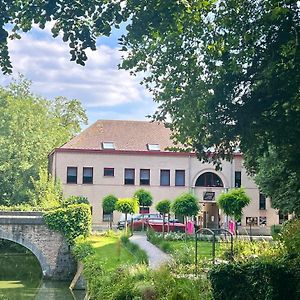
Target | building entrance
(210,215)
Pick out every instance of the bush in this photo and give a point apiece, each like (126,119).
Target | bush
(290,235)
(82,248)
(75,200)
(72,221)
(244,250)
(275,230)
(258,279)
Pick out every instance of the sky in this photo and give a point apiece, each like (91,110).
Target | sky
(104,91)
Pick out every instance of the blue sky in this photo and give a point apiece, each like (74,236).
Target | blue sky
(104,91)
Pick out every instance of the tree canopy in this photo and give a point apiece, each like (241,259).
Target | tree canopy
(280,183)
(186,205)
(30,127)
(226,73)
(143,197)
(233,202)
(163,206)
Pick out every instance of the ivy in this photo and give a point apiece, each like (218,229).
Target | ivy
(71,221)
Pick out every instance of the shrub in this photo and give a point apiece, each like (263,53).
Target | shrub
(290,235)
(82,248)
(258,279)
(275,230)
(75,200)
(72,221)
(244,250)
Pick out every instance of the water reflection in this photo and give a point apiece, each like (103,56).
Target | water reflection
(21,278)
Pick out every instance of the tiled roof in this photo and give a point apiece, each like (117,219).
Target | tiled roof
(126,135)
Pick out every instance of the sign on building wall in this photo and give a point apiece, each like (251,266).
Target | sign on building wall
(208,196)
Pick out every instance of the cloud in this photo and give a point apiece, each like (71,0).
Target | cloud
(99,85)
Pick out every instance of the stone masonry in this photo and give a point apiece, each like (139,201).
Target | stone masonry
(49,247)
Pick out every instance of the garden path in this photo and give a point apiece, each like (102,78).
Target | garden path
(155,255)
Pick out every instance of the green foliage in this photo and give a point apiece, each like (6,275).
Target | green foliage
(20,207)
(235,65)
(71,221)
(46,192)
(163,206)
(82,248)
(30,127)
(138,282)
(186,205)
(245,250)
(74,200)
(233,202)
(140,254)
(275,230)
(109,203)
(258,279)
(290,235)
(143,197)
(278,181)
(127,205)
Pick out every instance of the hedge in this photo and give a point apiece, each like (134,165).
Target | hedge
(258,279)
(71,221)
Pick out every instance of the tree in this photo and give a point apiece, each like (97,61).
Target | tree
(29,130)
(280,183)
(109,205)
(233,202)
(227,73)
(186,205)
(127,206)
(163,207)
(144,197)
(46,192)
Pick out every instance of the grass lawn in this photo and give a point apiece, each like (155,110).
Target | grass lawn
(204,248)
(110,251)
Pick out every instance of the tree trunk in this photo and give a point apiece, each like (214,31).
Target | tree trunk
(163,228)
(168,222)
(126,223)
(110,221)
(185,222)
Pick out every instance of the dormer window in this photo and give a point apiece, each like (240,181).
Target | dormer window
(153,147)
(108,146)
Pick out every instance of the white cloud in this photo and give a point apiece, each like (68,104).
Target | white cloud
(99,84)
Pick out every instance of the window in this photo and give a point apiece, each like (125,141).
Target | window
(129,176)
(87,175)
(180,177)
(71,174)
(262,221)
(144,177)
(262,201)
(209,179)
(164,177)
(282,217)
(107,217)
(153,147)
(108,146)
(109,172)
(253,221)
(237,179)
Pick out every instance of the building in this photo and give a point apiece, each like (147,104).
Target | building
(120,157)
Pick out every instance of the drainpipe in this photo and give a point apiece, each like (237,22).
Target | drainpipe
(189,169)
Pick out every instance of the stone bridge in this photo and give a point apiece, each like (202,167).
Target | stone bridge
(50,248)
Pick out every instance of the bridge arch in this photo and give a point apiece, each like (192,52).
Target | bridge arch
(30,246)
(50,247)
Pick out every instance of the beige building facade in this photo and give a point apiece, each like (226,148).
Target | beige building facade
(119,157)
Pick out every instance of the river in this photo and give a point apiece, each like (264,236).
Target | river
(21,278)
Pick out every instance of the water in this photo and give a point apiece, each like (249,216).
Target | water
(21,278)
